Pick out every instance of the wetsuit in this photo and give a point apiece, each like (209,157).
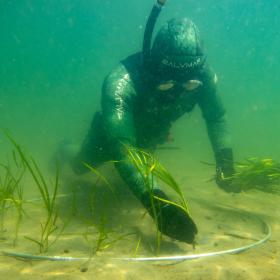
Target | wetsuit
(136,113)
(139,113)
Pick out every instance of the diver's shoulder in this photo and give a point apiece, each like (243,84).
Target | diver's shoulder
(118,81)
(126,70)
(118,74)
(134,65)
(134,60)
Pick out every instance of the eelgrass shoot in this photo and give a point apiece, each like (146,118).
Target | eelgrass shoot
(11,194)
(49,226)
(259,174)
(151,170)
(105,238)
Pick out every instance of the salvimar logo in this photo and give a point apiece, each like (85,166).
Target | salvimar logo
(182,65)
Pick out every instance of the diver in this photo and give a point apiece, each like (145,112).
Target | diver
(141,99)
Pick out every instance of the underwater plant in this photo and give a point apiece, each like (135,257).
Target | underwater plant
(152,170)
(260,174)
(100,177)
(11,194)
(137,247)
(49,226)
(105,238)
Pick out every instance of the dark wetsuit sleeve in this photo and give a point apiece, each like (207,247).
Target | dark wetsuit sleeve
(214,114)
(117,105)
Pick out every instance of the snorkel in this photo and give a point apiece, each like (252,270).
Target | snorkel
(146,50)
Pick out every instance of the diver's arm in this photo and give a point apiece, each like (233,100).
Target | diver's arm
(117,105)
(217,127)
(221,144)
(215,119)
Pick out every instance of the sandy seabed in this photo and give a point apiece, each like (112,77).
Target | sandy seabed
(224,221)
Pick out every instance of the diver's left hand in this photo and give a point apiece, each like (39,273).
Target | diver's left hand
(225,170)
(221,180)
(224,180)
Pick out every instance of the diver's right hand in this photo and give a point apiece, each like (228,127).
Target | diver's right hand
(171,220)
(176,223)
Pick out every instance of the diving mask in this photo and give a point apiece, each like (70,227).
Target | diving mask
(189,85)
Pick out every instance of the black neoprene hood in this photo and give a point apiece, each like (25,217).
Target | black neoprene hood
(177,48)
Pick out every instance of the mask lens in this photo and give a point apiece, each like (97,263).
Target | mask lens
(192,85)
(165,86)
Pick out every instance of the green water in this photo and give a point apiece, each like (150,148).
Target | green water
(54,56)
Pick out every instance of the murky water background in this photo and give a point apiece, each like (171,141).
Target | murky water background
(55,54)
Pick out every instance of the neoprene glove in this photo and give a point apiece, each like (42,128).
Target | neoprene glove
(172,220)
(225,170)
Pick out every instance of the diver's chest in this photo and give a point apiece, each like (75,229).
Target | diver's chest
(167,107)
